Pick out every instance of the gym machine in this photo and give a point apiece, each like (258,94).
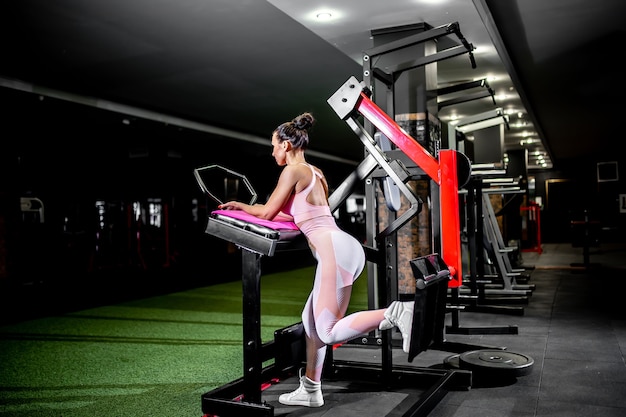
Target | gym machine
(506,275)
(491,284)
(482,290)
(432,274)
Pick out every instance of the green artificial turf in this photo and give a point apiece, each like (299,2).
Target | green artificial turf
(149,357)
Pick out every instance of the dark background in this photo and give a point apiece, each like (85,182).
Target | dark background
(241,66)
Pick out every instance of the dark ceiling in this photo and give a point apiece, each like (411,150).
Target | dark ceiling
(236,68)
(564,55)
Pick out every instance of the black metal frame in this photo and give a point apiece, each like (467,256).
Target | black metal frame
(244,395)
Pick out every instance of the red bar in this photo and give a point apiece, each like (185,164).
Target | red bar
(534,211)
(390,128)
(443,172)
(450,218)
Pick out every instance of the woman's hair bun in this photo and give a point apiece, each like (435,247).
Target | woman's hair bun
(303,121)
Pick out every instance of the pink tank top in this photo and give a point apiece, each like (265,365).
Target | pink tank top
(302,210)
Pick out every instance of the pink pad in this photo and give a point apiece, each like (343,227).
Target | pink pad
(242,215)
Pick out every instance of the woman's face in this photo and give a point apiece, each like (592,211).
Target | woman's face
(279,150)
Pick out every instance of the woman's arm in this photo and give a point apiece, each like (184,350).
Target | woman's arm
(268,211)
(283,217)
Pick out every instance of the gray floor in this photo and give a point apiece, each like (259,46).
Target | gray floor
(573,329)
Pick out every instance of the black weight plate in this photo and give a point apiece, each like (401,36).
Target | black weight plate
(463,169)
(452,362)
(499,362)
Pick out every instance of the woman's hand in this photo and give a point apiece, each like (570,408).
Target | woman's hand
(232,205)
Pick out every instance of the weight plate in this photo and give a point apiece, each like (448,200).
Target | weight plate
(499,362)
(451,362)
(463,169)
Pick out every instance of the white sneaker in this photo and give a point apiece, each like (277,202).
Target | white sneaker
(385,325)
(308,394)
(400,314)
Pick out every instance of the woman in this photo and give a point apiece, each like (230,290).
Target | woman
(301,195)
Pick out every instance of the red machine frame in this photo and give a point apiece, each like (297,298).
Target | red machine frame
(352,100)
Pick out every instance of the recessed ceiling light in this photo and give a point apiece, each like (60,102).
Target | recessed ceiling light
(324,16)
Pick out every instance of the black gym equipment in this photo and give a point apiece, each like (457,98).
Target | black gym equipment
(244,396)
(421,388)
(482,291)
(585,234)
(508,278)
(432,276)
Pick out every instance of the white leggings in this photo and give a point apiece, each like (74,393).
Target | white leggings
(340,261)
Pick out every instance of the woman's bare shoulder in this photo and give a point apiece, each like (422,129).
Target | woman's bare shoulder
(318,170)
(294,173)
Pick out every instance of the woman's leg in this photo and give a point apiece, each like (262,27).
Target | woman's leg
(340,262)
(323,315)
(315,348)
